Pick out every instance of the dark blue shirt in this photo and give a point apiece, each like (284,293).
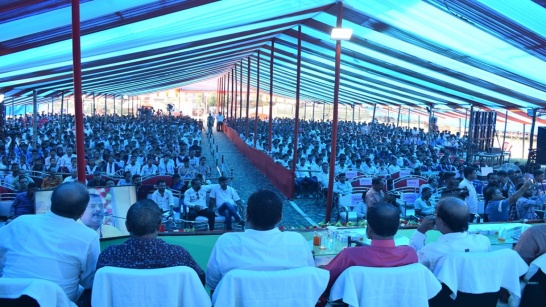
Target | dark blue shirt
(492,211)
(136,253)
(22,205)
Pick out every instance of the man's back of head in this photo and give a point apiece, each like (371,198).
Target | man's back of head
(264,210)
(452,214)
(69,200)
(383,221)
(143,218)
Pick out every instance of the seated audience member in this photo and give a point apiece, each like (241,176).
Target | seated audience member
(126,180)
(424,205)
(177,183)
(24,202)
(360,210)
(144,250)
(162,197)
(304,177)
(343,188)
(226,199)
(53,246)
(532,243)
(73,177)
(375,194)
(452,221)
(21,183)
(142,190)
(497,208)
(51,180)
(527,204)
(93,217)
(262,246)
(203,168)
(383,223)
(110,183)
(97,180)
(195,198)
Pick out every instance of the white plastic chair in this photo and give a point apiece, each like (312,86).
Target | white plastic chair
(173,286)
(45,292)
(481,273)
(298,287)
(405,286)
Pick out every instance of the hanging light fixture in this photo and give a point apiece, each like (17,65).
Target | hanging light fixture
(341,33)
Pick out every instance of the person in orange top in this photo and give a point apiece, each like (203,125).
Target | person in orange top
(52,180)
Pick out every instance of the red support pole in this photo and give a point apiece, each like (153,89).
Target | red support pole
(256,118)
(78,110)
(224,97)
(241,92)
(330,196)
(297,115)
(271,60)
(224,107)
(221,95)
(232,94)
(247,95)
(234,89)
(228,94)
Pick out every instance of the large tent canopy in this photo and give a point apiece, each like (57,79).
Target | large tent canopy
(448,54)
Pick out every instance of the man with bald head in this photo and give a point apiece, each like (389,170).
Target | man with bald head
(451,219)
(53,246)
(383,223)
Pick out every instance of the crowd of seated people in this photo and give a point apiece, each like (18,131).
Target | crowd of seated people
(395,146)
(383,151)
(113,145)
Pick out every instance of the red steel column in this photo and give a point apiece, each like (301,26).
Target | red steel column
(241,92)
(77,68)
(256,118)
(330,196)
(297,115)
(271,61)
(247,96)
(234,90)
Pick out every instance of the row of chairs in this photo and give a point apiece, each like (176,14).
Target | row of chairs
(464,279)
(201,222)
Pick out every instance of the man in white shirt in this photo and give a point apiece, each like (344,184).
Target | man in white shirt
(166,165)
(219,121)
(110,168)
(73,177)
(226,199)
(149,169)
(472,198)
(133,166)
(262,246)
(323,176)
(451,220)
(126,180)
(163,197)
(343,187)
(195,198)
(66,159)
(53,246)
